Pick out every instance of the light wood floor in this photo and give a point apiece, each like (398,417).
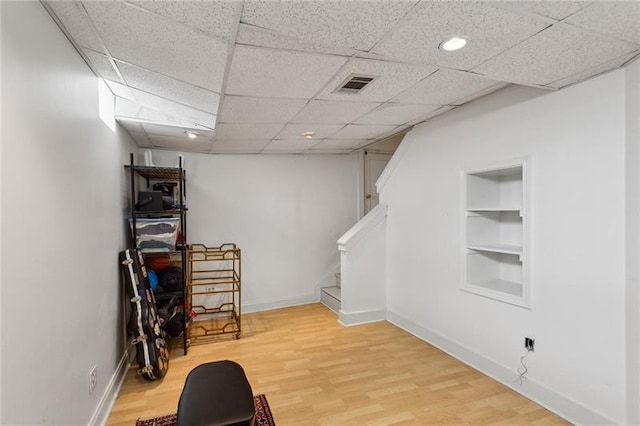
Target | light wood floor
(316,372)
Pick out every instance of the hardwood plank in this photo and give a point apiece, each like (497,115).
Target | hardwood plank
(314,371)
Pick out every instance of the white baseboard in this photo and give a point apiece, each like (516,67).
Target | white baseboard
(562,406)
(280,303)
(349,319)
(105,405)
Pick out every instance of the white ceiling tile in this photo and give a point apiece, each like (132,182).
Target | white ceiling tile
(172,108)
(553,54)
(583,75)
(396,114)
(179,144)
(131,126)
(445,87)
(431,115)
(290,145)
(248,131)
(174,131)
(279,74)
(393,132)
(619,19)
(77,23)
(345,24)
(262,37)
(178,51)
(127,108)
(218,18)
(141,139)
(340,144)
(238,146)
(101,65)
(169,88)
(323,151)
(120,90)
(361,131)
(391,78)
(330,112)
(294,131)
(557,10)
(488,30)
(245,109)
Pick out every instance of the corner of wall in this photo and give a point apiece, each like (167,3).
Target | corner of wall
(105,405)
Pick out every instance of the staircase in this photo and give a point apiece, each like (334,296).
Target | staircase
(330,296)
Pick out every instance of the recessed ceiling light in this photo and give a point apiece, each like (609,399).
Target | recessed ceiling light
(308,135)
(454,43)
(191,134)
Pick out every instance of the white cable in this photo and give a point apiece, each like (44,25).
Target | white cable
(522,371)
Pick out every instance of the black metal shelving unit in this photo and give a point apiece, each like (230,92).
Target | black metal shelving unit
(163,174)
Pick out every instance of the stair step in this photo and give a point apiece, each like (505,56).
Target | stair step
(330,297)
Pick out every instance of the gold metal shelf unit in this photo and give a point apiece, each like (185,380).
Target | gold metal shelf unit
(213,291)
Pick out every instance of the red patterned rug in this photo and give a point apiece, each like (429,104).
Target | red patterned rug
(263,415)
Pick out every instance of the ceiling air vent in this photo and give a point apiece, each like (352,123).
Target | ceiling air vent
(355,84)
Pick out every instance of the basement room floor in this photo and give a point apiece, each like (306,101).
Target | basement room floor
(313,371)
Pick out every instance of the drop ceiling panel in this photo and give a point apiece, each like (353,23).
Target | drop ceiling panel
(279,74)
(179,144)
(345,24)
(430,115)
(290,145)
(294,131)
(218,18)
(616,63)
(619,19)
(246,109)
(77,23)
(557,10)
(360,131)
(445,87)
(327,151)
(238,146)
(556,53)
(174,131)
(174,109)
(247,131)
(395,114)
(133,110)
(120,90)
(333,112)
(488,29)
(255,36)
(341,144)
(390,79)
(178,51)
(169,88)
(101,65)
(392,132)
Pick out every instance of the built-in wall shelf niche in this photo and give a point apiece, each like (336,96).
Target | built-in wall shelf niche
(495,230)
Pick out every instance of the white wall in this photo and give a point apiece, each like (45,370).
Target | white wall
(62,222)
(285,212)
(576,141)
(632,168)
(363,269)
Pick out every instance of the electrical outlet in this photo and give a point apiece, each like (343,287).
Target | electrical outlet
(93,379)
(529,343)
(210,288)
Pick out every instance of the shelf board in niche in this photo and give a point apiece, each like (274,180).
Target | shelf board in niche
(502,286)
(497,248)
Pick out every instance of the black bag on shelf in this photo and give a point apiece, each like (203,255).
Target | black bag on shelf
(152,353)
